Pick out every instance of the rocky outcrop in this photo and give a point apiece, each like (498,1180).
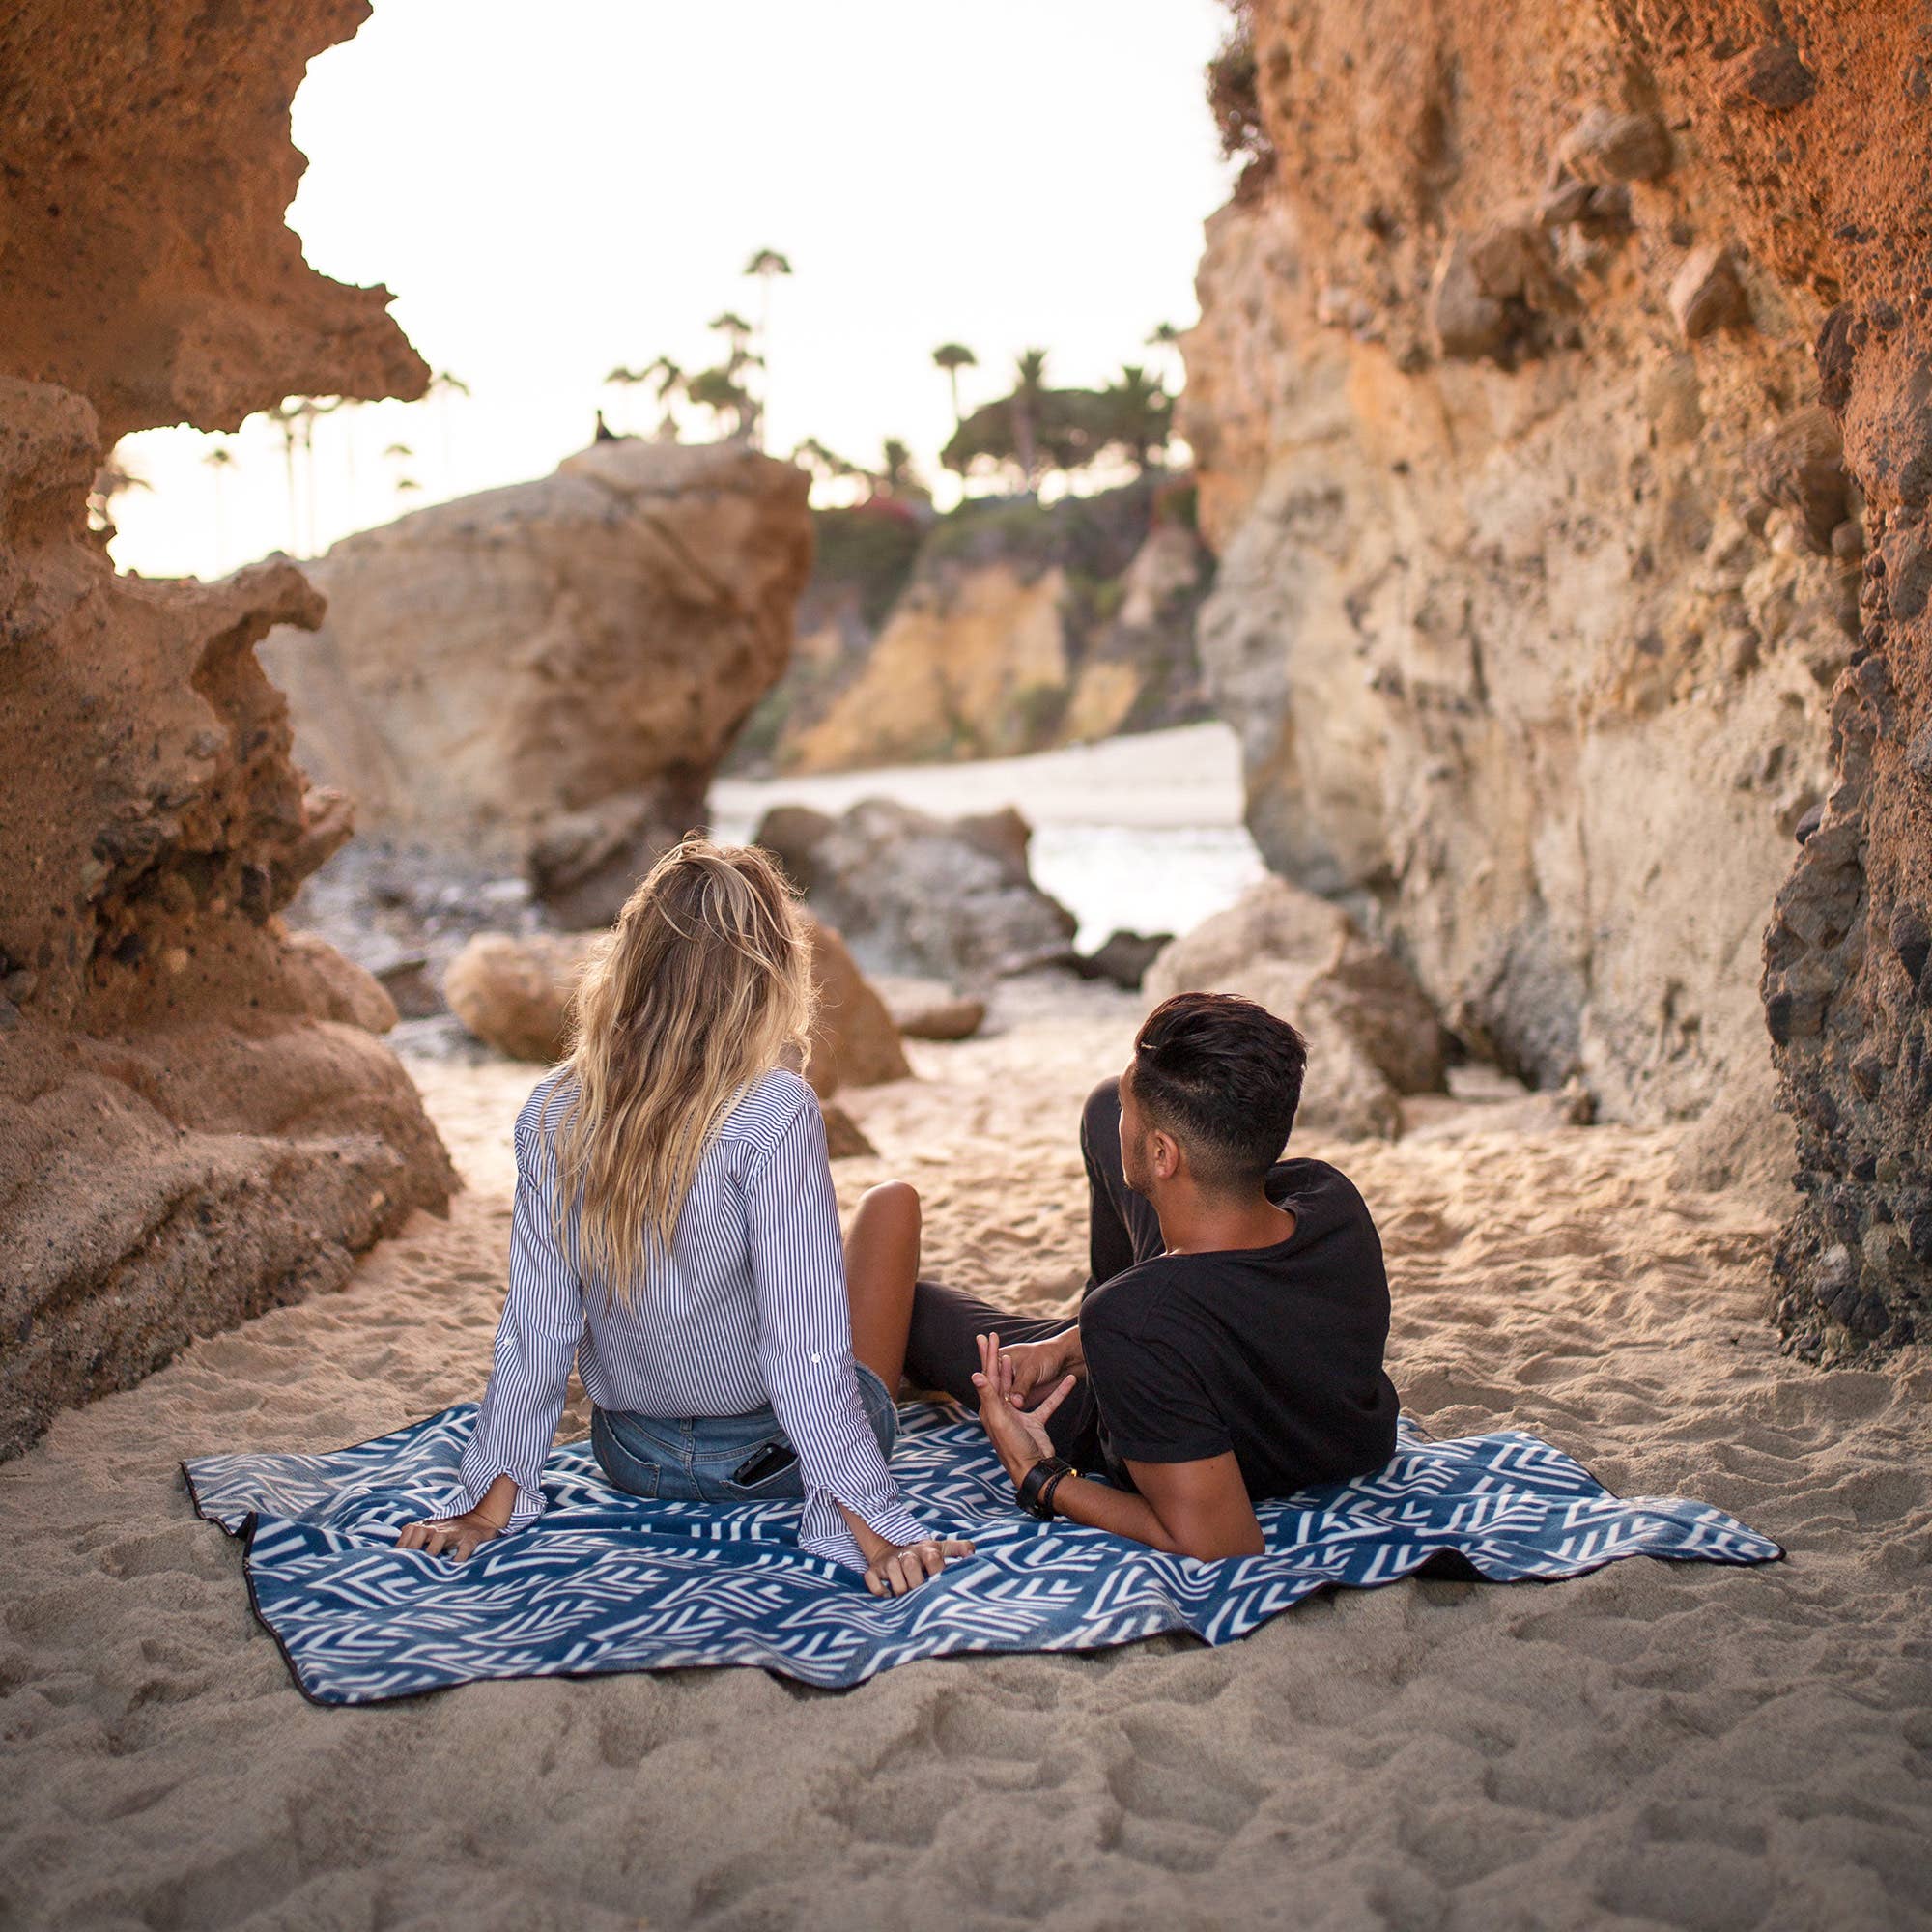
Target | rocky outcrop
(1003,628)
(196,1121)
(1800,113)
(513,992)
(949,898)
(1544,537)
(146,166)
(543,679)
(1372,1035)
(1532,587)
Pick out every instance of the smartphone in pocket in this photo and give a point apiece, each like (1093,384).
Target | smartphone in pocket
(766,1462)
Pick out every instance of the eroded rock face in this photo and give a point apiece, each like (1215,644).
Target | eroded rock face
(197,1121)
(1528,608)
(1801,107)
(1546,639)
(544,677)
(143,256)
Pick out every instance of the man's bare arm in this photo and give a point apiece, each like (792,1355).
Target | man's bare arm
(1189,1509)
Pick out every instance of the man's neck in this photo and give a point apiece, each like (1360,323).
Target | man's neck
(1196,1222)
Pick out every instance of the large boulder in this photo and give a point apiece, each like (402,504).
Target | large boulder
(543,679)
(198,1119)
(952,898)
(512,991)
(1372,1035)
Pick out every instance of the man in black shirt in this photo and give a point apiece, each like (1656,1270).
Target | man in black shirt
(1228,1344)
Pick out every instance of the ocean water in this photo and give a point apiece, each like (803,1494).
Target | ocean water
(1144,833)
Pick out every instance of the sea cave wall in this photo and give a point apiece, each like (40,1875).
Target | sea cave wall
(1558,599)
(197,1116)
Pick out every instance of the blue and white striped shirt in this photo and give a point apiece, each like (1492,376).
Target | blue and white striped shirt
(749,1307)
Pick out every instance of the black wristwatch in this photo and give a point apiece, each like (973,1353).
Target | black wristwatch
(1037,1485)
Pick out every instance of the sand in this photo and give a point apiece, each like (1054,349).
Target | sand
(1653,1744)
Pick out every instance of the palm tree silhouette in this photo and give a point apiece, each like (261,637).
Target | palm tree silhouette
(443,386)
(767,265)
(1029,388)
(953,356)
(220,460)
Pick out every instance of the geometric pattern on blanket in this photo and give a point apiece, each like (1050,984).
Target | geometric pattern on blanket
(606,1582)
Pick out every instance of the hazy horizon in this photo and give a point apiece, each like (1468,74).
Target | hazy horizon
(546,206)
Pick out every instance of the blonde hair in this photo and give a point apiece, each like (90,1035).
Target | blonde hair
(704,986)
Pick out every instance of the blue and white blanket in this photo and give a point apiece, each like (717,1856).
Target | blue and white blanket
(606,1582)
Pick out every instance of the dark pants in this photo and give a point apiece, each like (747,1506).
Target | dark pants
(1122,1229)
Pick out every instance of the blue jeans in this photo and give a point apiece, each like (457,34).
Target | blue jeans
(692,1460)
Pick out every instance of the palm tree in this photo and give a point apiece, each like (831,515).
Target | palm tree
(1166,337)
(443,386)
(669,381)
(720,392)
(1029,387)
(767,265)
(220,460)
(1138,415)
(399,453)
(953,356)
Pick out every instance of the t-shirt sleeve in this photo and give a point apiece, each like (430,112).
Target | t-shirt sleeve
(1154,1404)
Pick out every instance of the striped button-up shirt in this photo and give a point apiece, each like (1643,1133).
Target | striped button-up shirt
(747,1308)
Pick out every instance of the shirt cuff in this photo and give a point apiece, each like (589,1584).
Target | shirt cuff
(524,1511)
(823,1530)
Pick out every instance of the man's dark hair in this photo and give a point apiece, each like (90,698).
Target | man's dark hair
(1223,1077)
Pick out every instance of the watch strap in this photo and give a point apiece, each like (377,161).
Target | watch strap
(1036,1478)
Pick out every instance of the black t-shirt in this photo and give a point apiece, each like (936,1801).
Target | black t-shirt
(1273,1352)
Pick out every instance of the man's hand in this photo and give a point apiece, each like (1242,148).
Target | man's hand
(1018,1435)
(456,1536)
(1035,1365)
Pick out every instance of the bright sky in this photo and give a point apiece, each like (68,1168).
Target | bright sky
(553,191)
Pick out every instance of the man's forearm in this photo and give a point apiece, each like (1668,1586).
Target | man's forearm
(1099,1506)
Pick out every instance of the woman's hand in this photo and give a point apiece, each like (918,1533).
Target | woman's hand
(458,1536)
(903,1567)
(1018,1435)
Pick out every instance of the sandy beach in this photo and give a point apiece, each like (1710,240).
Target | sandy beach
(1651,1745)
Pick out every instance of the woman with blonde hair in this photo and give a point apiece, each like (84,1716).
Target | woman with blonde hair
(675,1233)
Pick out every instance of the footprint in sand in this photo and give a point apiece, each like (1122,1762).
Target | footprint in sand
(1180,1801)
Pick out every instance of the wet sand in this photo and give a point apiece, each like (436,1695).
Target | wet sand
(1655,1745)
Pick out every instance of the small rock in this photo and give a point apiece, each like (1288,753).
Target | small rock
(1774,76)
(1911,939)
(844,1138)
(1908,571)
(1565,201)
(1125,957)
(1605,146)
(944,1019)
(409,981)
(1919,754)
(1705,294)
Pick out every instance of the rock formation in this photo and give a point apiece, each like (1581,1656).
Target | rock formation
(543,679)
(1006,627)
(1541,546)
(1821,117)
(1372,1036)
(196,1119)
(513,992)
(949,898)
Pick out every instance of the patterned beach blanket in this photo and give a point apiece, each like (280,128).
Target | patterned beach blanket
(606,1582)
